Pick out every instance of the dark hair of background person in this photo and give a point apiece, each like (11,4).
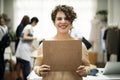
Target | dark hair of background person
(102,12)
(34,19)
(68,11)
(25,20)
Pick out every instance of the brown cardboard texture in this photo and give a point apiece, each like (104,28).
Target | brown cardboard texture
(62,55)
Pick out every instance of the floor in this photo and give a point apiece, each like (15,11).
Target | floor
(10,72)
(10,76)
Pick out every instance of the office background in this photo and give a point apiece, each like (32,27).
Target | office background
(12,9)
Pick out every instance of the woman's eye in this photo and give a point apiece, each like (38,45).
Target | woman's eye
(66,19)
(59,18)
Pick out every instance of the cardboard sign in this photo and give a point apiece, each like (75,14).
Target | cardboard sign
(62,54)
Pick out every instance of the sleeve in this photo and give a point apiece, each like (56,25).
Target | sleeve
(85,58)
(26,28)
(1,34)
(38,60)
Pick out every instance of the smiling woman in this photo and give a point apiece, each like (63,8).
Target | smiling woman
(42,9)
(62,17)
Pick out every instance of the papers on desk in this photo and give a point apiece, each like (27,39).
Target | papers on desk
(33,76)
(103,77)
(100,76)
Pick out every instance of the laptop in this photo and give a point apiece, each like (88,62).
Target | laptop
(62,55)
(112,68)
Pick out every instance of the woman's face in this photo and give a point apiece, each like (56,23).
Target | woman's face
(2,22)
(34,23)
(62,24)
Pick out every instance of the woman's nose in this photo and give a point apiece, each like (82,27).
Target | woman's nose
(63,21)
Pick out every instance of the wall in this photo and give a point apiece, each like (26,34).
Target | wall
(102,5)
(1,6)
(114,12)
(8,9)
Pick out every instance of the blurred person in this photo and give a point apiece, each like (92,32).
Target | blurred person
(7,20)
(62,17)
(3,31)
(25,21)
(98,26)
(24,49)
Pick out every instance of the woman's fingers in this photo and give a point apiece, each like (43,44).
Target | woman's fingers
(46,66)
(42,70)
(81,70)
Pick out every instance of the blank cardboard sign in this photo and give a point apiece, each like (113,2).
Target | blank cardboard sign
(62,55)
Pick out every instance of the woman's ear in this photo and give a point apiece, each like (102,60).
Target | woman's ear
(71,27)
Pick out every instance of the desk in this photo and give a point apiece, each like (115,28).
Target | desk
(100,76)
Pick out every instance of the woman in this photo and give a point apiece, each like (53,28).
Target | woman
(25,20)
(62,17)
(24,49)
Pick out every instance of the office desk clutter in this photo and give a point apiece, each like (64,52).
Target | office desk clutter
(111,71)
(33,76)
(100,76)
(93,72)
(112,68)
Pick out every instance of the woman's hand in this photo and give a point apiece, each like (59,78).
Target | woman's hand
(82,71)
(42,70)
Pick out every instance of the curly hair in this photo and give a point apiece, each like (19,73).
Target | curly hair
(67,10)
